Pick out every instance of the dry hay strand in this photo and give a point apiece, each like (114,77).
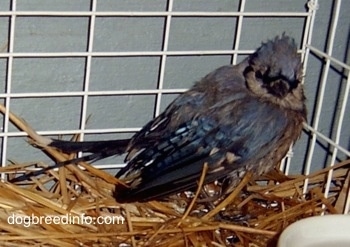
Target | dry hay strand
(62,207)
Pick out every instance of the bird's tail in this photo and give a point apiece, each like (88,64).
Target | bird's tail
(105,148)
(97,149)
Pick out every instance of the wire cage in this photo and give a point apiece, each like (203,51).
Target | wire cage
(102,69)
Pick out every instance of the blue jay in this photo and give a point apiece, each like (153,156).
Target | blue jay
(238,118)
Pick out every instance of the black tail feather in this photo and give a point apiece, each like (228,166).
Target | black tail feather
(98,149)
(112,147)
(56,165)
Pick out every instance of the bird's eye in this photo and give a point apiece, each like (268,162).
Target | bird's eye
(258,74)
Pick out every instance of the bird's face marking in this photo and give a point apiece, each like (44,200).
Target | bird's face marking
(274,73)
(277,66)
(276,81)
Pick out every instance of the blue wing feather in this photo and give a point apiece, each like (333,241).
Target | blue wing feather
(242,126)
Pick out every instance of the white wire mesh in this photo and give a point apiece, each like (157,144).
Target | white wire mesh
(314,129)
(171,14)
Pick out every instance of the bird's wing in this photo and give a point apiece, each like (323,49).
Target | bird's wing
(224,135)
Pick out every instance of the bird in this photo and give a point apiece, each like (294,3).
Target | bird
(237,119)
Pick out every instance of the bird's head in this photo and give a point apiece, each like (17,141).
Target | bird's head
(274,73)
(275,68)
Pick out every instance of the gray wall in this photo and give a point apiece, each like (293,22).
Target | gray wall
(36,34)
